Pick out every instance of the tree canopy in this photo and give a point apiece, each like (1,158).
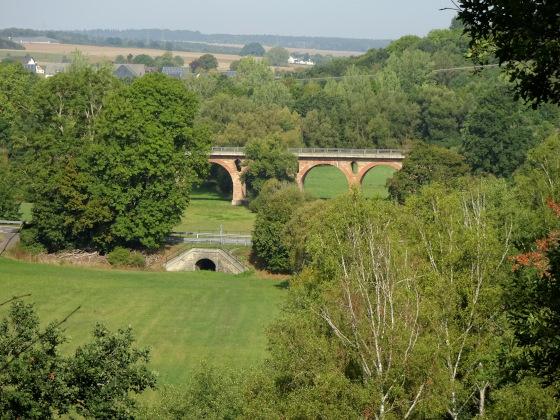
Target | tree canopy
(524,36)
(253,48)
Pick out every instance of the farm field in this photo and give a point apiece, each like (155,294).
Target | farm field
(44,53)
(184,317)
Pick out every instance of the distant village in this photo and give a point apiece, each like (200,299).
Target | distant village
(122,71)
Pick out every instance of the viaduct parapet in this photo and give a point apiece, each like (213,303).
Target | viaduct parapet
(354,164)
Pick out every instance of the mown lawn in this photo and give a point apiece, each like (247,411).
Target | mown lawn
(329,181)
(208,210)
(184,317)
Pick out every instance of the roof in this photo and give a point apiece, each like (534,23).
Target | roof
(53,68)
(129,70)
(176,72)
(24,60)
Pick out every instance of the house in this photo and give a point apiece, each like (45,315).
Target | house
(29,63)
(52,69)
(131,71)
(176,72)
(293,60)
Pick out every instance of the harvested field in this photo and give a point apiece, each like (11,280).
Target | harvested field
(96,54)
(43,53)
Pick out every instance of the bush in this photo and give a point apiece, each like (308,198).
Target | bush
(123,256)
(120,256)
(137,260)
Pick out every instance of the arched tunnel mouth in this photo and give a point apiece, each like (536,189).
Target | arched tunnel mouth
(205,264)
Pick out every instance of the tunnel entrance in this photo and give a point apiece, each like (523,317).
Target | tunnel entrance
(205,264)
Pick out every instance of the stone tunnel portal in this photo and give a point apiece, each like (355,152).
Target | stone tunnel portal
(205,264)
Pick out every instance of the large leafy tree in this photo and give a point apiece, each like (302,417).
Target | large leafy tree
(266,159)
(37,382)
(524,36)
(275,205)
(54,132)
(499,131)
(253,48)
(17,81)
(148,154)
(425,164)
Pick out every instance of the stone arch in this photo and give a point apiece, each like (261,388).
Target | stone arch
(366,168)
(205,264)
(239,190)
(305,167)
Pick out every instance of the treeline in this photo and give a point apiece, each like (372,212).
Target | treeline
(185,40)
(304,42)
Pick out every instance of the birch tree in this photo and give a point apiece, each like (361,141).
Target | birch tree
(466,255)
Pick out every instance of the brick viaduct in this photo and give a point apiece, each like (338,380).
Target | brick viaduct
(354,163)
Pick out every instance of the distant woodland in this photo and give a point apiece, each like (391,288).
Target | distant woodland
(176,40)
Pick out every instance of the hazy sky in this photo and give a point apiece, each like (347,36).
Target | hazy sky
(373,19)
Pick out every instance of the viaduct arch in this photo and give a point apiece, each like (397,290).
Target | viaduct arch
(354,164)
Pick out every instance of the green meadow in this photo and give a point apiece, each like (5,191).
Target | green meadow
(184,317)
(208,210)
(329,181)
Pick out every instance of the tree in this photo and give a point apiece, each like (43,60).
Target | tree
(523,36)
(208,62)
(534,305)
(251,73)
(144,59)
(98,381)
(50,138)
(425,164)
(16,85)
(149,153)
(9,203)
(120,59)
(272,93)
(351,339)
(277,56)
(253,48)
(498,132)
(266,159)
(274,207)
(465,250)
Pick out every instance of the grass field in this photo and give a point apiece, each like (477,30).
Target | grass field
(184,317)
(208,210)
(329,181)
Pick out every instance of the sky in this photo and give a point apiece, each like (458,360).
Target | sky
(371,19)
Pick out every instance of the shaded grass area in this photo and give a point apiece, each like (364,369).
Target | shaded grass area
(329,181)
(208,210)
(184,317)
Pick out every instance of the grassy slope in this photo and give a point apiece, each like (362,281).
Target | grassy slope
(184,317)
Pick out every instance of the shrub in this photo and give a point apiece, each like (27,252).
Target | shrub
(123,256)
(119,256)
(137,260)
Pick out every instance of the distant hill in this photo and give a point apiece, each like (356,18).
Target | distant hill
(317,43)
(176,39)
